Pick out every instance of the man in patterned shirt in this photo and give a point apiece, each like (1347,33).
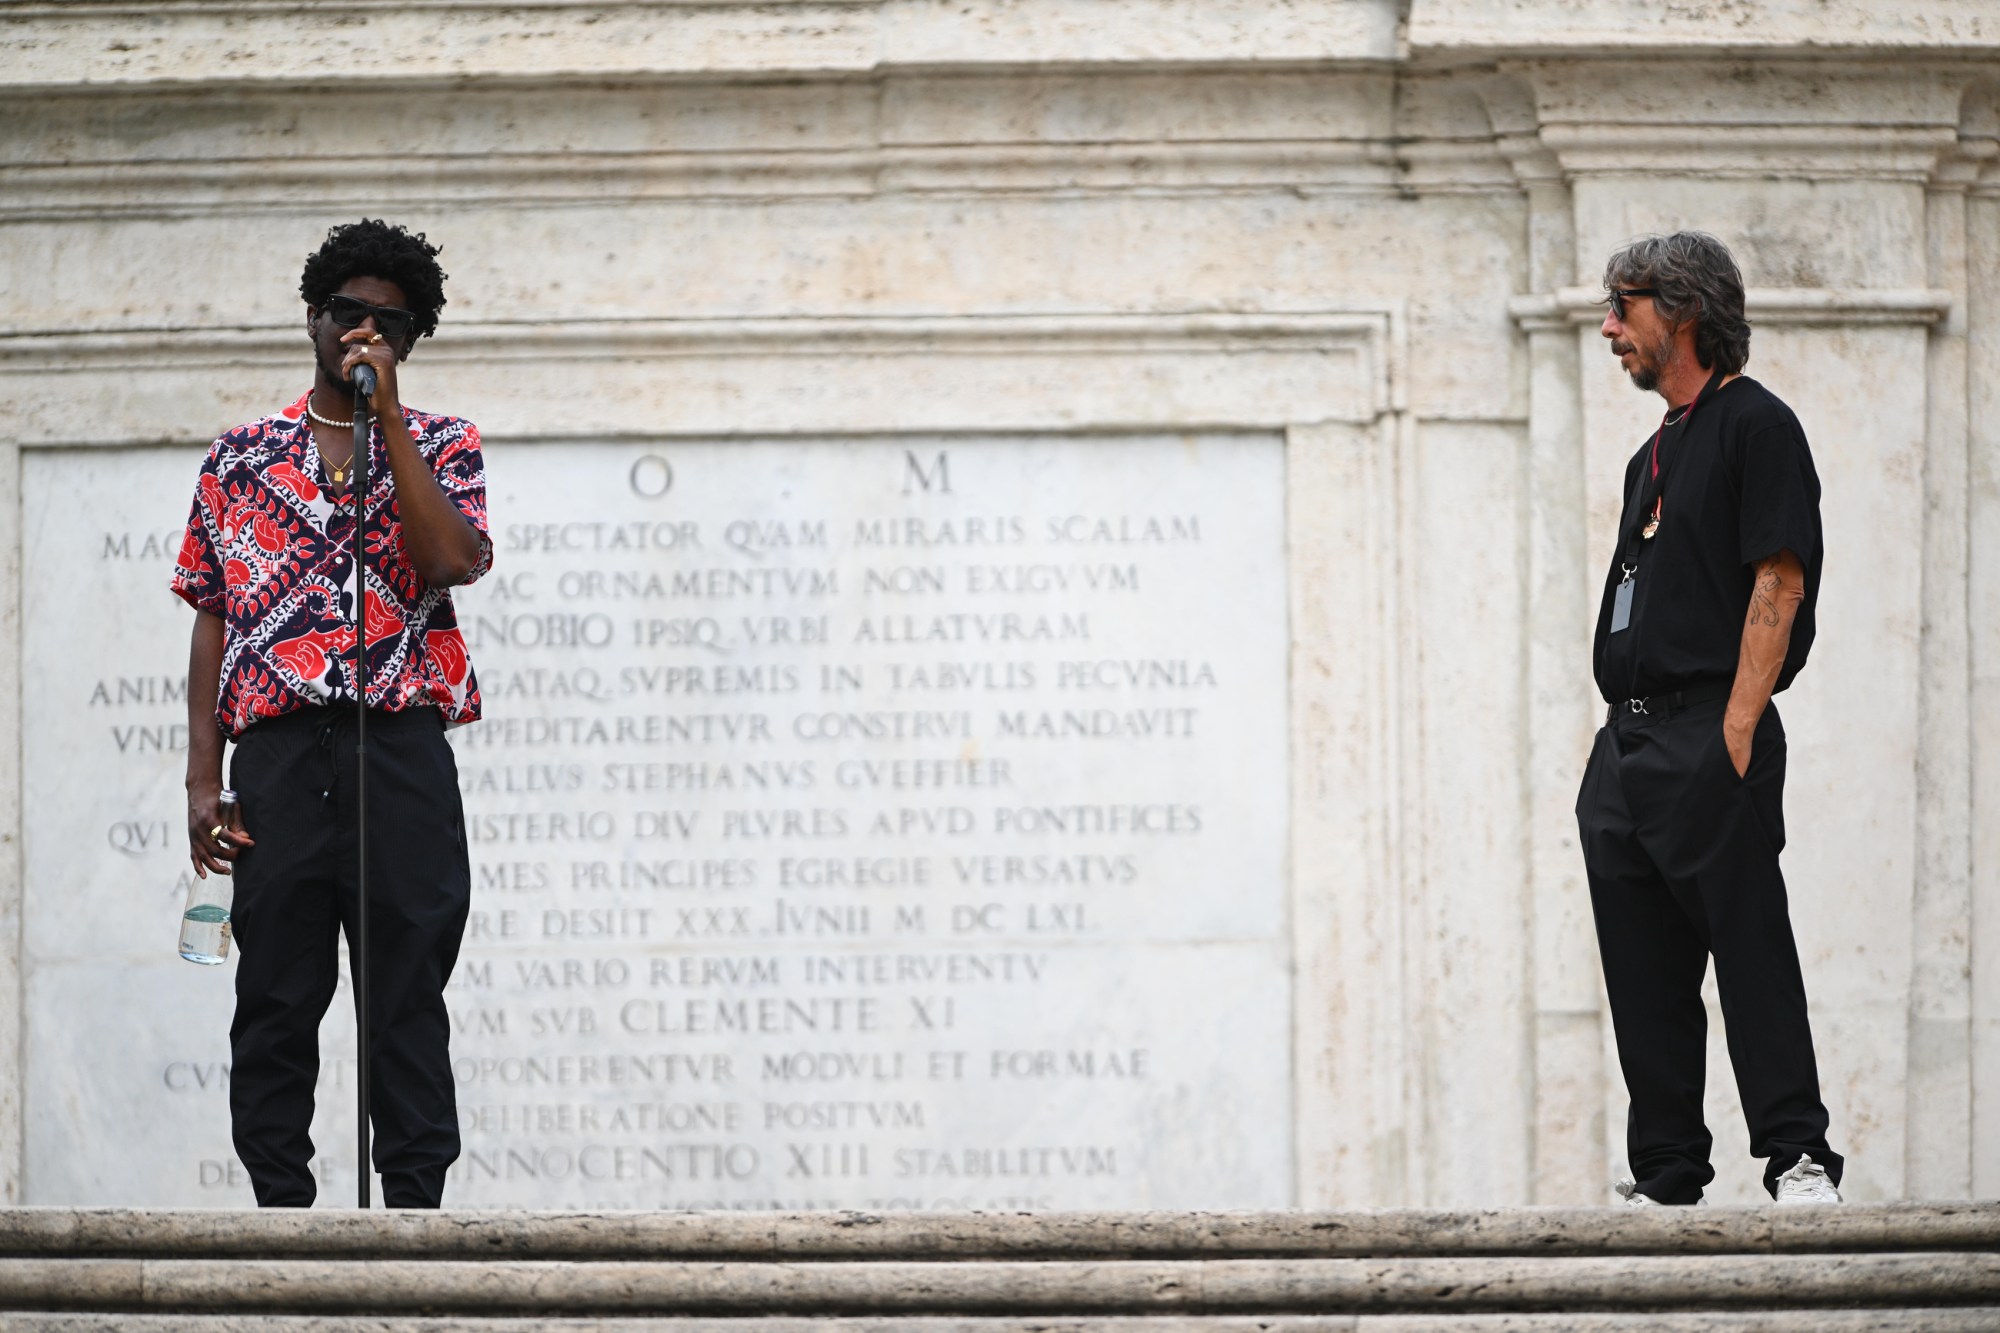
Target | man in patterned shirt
(267,566)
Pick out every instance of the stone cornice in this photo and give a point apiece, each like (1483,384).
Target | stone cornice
(879,335)
(723,377)
(593,110)
(15,10)
(1579,306)
(1758,27)
(1977,167)
(165,154)
(247,43)
(1828,117)
(1754,152)
(100,190)
(101,45)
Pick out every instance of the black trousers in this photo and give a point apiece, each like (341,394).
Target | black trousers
(295,891)
(1682,856)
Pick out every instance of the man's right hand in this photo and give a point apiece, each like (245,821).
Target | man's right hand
(214,839)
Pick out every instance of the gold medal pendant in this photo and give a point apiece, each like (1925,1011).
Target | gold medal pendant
(1651,528)
(336,475)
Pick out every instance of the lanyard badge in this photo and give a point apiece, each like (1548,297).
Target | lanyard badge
(1621,601)
(1652,497)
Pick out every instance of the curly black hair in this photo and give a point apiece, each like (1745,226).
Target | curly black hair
(374,249)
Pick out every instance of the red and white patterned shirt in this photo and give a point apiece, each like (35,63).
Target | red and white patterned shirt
(270,551)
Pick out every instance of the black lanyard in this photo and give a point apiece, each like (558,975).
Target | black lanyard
(1653,481)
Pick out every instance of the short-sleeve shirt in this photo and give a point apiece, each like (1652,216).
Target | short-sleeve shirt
(270,551)
(1740,487)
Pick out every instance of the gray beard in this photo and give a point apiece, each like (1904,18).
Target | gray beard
(1646,376)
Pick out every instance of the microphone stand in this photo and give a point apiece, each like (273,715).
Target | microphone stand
(358,962)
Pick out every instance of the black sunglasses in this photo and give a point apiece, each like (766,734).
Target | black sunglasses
(349,311)
(1616,296)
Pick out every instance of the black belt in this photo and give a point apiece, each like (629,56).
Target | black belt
(1658,705)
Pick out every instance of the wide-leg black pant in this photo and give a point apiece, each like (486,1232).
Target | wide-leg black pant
(1682,856)
(295,891)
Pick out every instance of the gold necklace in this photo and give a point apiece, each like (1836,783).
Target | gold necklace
(337,475)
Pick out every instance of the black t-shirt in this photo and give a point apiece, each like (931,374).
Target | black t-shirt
(1740,487)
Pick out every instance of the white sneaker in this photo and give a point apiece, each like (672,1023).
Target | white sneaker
(1806,1182)
(1628,1192)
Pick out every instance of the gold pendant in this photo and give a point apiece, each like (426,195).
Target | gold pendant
(1651,528)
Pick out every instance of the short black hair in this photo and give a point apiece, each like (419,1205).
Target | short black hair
(1696,278)
(374,249)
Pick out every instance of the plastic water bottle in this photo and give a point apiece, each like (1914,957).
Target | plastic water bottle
(205,920)
(205,927)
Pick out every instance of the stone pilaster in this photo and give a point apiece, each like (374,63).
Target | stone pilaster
(1569,1156)
(1982,615)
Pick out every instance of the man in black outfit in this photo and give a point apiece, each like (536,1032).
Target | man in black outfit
(1707,612)
(267,564)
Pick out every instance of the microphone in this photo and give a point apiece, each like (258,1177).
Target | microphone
(364,384)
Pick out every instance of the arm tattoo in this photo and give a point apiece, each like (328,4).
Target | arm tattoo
(1764,596)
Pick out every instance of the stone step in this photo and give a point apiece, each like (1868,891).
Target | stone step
(1052,1287)
(1411,1232)
(1853,1268)
(1970,1320)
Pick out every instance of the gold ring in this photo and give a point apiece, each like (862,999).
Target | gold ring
(216,832)
(374,338)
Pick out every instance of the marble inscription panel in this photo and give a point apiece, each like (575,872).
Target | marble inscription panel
(854,824)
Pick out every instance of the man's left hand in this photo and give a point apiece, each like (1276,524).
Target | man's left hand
(1737,734)
(381,354)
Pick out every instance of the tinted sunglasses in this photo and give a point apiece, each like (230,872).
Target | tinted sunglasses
(1615,295)
(349,311)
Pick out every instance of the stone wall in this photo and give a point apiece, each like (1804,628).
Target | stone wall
(1338,259)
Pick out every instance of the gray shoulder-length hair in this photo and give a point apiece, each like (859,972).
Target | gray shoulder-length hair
(1696,278)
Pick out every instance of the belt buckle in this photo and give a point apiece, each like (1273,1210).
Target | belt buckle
(1637,706)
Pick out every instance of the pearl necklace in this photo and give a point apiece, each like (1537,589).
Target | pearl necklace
(327,421)
(338,475)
